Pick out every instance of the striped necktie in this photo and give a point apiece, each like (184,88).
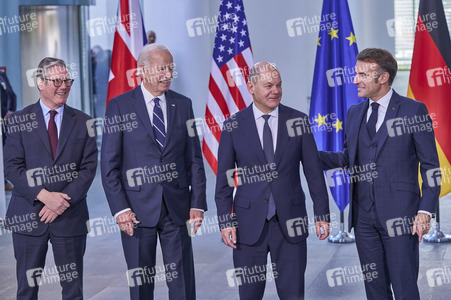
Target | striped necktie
(158,124)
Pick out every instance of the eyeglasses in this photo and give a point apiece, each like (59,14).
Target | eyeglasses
(59,82)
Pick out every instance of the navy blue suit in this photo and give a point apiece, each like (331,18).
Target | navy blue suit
(129,162)
(8,96)
(28,165)
(382,210)
(241,147)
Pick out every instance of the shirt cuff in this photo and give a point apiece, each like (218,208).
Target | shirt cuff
(425,212)
(118,213)
(198,209)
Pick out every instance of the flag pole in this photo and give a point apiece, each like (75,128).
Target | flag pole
(437,236)
(342,237)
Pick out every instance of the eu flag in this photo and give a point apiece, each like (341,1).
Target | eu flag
(333,91)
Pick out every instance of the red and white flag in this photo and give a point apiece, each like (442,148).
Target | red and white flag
(129,40)
(232,59)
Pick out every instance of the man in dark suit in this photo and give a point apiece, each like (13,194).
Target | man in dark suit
(51,160)
(7,96)
(388,136)
(153,177)
(269,213)
(8,106)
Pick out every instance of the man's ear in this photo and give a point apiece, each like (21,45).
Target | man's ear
(250,87)
(40,83)
(143,70)
(383,79)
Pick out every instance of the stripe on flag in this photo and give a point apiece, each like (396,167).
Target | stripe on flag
(227,91)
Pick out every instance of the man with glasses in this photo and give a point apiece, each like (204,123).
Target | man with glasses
(51,160)
(388,137)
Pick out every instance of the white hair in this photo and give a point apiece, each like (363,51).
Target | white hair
(146,53)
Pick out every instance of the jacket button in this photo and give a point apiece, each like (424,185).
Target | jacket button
(265,200)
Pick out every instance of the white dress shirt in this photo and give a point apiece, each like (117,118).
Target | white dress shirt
(272,122)
(150,104)
(382,109)
(58,116)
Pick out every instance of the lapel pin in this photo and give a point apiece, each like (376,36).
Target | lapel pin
(393,108)
(172,104)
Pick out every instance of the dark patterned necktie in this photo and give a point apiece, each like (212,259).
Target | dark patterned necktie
(268,148)
(158,124)
(371,124)
(53,132)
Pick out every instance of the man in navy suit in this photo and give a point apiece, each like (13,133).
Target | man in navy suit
(389,136)
(8,106)
(7,96)
(269,213)
(154,178)
(51,160)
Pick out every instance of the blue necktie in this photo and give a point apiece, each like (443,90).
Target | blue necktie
(268,148)
(371,124)
(158,124)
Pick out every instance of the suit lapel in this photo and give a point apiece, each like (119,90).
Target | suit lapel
(141,110)
(170,112)
(392,111)
(42,128)
(67,124)
(248,127)
(354,130)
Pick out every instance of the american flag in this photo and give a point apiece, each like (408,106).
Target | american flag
(232,58)
(129,40)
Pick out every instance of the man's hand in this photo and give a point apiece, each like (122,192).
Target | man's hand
(322,225)
(229,236)
(8,114)
(196,216)
(421,225)
(47,215)
(126,221)
(54,201)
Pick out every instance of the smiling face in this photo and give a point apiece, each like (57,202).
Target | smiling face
(371,79)
(266,89)
(158,72)
(54,97)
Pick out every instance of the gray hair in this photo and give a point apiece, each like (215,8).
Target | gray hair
(258,68)
(146,53)
(47,63)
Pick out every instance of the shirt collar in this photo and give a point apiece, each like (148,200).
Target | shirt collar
(258,113)
(46,110)
(148,97)
(384,100)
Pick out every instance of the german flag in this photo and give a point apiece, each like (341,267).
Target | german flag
(430,78)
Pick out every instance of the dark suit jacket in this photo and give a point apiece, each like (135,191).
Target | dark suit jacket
(396,187)
(124,151)
(7,95)
(28,158)
(241,147)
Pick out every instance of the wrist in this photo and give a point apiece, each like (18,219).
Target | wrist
(42,195)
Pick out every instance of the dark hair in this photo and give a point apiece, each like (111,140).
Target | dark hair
(383,58)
